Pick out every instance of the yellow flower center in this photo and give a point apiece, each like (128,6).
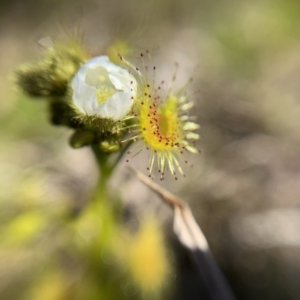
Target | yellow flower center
(104,92)
(161,128)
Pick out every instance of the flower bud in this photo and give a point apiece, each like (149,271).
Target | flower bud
(103,90)
(81,138)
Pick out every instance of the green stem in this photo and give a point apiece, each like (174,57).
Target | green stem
(106,167)
(105,170)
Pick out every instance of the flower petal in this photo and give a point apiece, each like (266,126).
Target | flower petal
(96,61)
(122,81)
(98,75)
(116,107)
(84,96)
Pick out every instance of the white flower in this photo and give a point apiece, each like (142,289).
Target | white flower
(103,89)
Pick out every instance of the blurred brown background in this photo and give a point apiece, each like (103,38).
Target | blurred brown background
(244,188)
